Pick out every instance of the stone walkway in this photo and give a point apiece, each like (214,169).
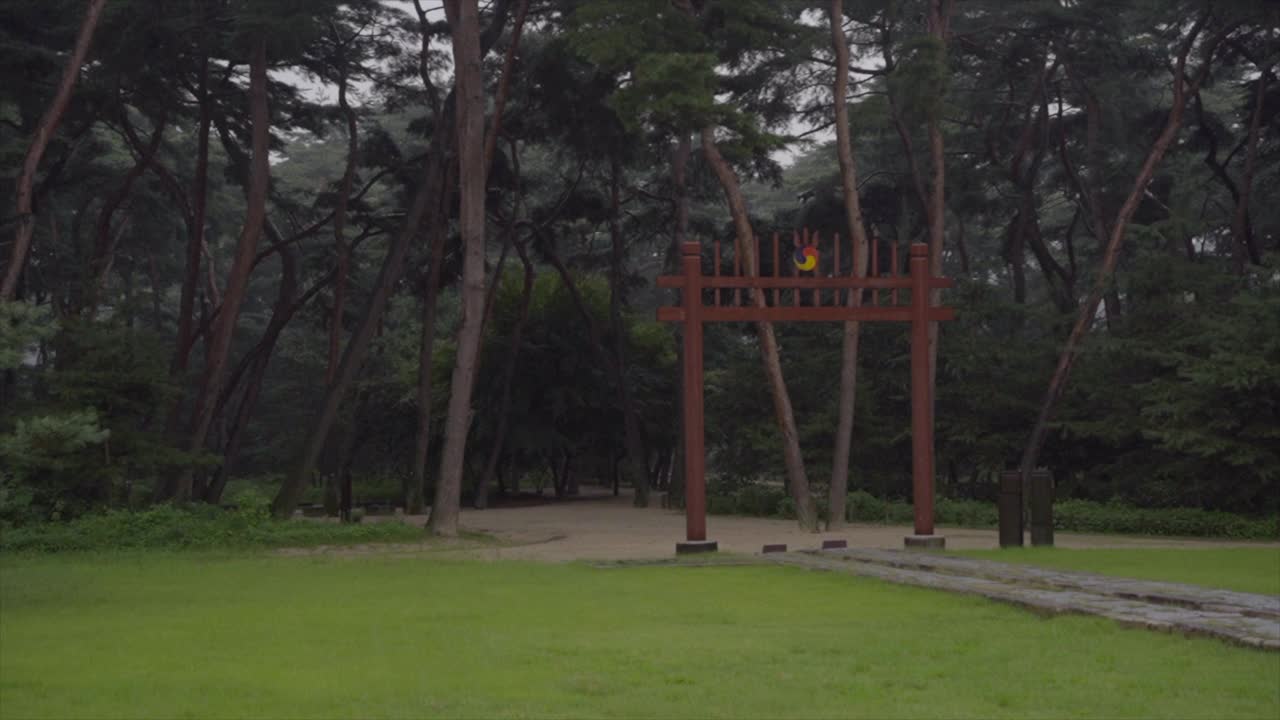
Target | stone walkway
(1242,618)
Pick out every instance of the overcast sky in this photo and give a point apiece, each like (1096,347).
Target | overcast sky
(321,92)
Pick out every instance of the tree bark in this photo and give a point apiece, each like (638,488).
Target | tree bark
(340,227)
(437,234)
(679,232)
(219,342)
(839,487)
(105,241)
(939,21)
(1241,228)
(463,16)
(504,83)
(285,307)
(429,190)
(635,460)
(47,126)
(195,240)
(745,247)
(1182,89)
(437,230)
(508,379)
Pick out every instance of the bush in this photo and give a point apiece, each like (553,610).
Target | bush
(966,513)
(1085,516)
(1068,515)
(199,527)
(759,500)
(862,506)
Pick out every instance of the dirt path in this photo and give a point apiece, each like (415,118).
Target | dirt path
(608,528)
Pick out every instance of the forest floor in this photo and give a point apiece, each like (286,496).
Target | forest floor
(603,527)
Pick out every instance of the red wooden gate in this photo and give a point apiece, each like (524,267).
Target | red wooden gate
(826,301)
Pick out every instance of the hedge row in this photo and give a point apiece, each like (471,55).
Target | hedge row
(1068,515)
(200,527)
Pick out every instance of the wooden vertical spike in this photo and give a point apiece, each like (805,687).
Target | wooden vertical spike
(795,271)
(715,272)
(875,267)
(737,272)
(835,271)
(815,240)
(777,269)
(893,270)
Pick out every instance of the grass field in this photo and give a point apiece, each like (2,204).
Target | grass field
(153,635)
(1245,569)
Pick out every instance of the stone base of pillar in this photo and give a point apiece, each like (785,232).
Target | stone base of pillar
(692,547)
(925,542)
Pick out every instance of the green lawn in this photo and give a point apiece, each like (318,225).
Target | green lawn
(1245,569)
(191,635)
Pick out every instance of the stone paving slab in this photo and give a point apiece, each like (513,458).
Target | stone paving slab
(1165,593)
(1241,618)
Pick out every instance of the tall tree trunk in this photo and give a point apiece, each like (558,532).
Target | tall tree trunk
(932,199)
(635,460)
(1182,89)
(283,311)
(195,240)
(105,240)
(47,126)
(428,193)
(680,232)
(745,247)
(437,230)
(1241,228)
(432,185)
(839,488)
(508,379)
(504,83)
(219,341)
(939,21)
(340,227)
(437,234)
(463,16)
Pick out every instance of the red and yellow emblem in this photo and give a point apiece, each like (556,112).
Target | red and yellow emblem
(806,258)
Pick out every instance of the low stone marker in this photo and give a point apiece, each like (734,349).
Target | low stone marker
(775,548)
(834,544)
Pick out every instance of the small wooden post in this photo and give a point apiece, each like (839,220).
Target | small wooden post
(921,421)
(1010,509)
(1041,508)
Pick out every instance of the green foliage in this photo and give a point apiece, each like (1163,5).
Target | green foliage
(50,443)
(920,78)
(195,528)
(1068,515)
(17,501)
(1084,516)
(83,440)
(59,460)
(22,327)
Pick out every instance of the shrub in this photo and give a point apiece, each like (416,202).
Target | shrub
(861,506)
(1069,515)
(759,500)
(721,505)
(1085,516)
(787,508)
(199,527)
(966,513)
